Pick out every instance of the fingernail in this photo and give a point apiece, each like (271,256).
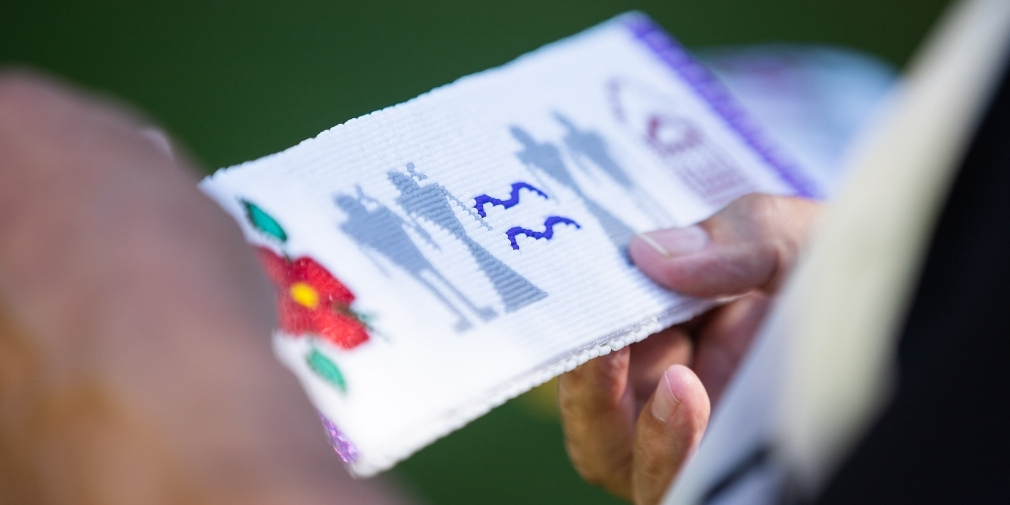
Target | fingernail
(676,241)
(159,139)
(664,403)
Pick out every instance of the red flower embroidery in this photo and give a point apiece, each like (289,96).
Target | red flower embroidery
(311,300)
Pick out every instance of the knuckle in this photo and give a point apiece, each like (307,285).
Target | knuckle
(595,386)
(613,368)
(745,217)
(765,218)
(761,209)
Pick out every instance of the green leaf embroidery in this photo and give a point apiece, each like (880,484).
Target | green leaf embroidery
(327,369)
(263,222)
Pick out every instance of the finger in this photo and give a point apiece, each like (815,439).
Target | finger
(597,414)
(652,356)
(722,342)
(668,433)
(750,244)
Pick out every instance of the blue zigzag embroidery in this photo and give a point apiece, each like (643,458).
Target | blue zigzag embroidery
(548,232)
(513,200)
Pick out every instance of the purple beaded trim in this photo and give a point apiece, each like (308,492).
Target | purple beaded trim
(716,95)
(344,447)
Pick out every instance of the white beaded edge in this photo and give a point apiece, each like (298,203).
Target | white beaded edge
(459,417)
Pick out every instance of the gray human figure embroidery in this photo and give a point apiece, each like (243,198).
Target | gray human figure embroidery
(546,157)
(593,146)
(432,203)
(383,231)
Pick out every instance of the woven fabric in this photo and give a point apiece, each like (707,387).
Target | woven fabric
(441,256)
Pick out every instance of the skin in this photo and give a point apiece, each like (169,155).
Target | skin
(135,364)
(633,418)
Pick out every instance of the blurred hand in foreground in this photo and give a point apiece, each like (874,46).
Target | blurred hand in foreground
(135,365)
(632,418)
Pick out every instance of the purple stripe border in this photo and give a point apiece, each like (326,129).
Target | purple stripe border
(716,95)
(341,444)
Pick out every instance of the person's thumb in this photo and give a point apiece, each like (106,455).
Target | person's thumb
(667,433)
(751,244)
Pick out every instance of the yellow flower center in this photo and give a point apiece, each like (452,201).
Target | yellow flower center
(305,294)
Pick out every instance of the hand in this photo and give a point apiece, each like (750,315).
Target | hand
(135,363)
(632,418)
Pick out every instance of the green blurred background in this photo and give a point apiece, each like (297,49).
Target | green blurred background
(233,81)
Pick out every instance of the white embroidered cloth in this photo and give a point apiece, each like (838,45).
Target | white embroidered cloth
(479,231)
